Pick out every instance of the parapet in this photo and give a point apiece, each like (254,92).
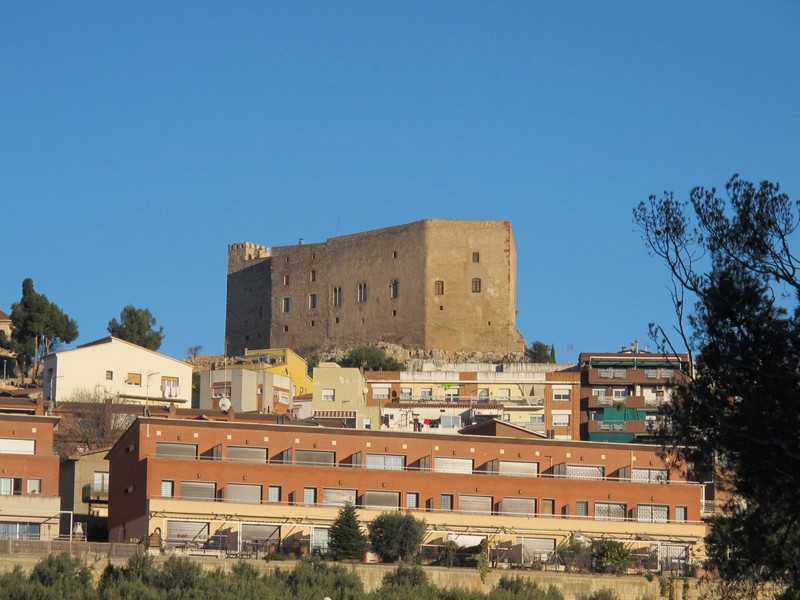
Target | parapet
(241,253)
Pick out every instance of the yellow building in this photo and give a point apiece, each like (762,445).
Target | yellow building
(281,361)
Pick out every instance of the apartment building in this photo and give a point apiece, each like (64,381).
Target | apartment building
(621,392)
(119,369)
(200,484)
(541,397)
(246,390)
(29,501)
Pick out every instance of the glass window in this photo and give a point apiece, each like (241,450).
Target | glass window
(447,501)
(274,493)
(361,293)
(582,508)
(680,514)
(476,286)
(312,301)
(310,495)
(394,289)
(134,379)
(312,276)
(476,257)
(286,305)
(167,488)
(412,500)
(548,506)
(110,375)
(100,482)
(438,288)
(337,296)
(35,486)
(286,279)
(561,420)
(405,393)
(426,393)
(328,395)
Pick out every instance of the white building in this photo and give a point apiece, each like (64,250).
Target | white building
(246,390)
(117,368)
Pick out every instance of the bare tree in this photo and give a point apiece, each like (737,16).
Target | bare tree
(92,419)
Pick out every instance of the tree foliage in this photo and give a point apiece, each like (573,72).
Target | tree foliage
(38,327)
(610,556)
(539,352)
(371,358)
(137,326)
(346,540)
(396,536)
(736,290)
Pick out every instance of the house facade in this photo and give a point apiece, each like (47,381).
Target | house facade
(204,485)
(621,392)
(544,398)
(29,501)
(83,483)
(246,389)
(118,369)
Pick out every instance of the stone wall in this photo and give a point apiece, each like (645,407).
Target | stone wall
(379,285)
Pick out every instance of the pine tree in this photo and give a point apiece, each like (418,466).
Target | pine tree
(347,541)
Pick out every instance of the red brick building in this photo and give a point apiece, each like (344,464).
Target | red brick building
(199,483)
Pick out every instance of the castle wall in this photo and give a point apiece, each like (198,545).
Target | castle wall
(248,310)
(342,291)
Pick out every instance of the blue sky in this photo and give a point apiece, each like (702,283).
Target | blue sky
(138,139)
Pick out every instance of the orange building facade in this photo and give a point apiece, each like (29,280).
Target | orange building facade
(208,484)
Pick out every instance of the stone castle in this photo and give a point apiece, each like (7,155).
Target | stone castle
(436,284)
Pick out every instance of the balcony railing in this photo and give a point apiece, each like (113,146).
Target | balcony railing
(95,493)
(534,401)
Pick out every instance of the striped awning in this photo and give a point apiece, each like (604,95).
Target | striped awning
(334,414)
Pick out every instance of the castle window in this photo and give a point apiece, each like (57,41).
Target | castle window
(394,254)
(285,329)
(337,296)
(362,292)
(286,305)
(476,257)
(394,289)
(286,279)
(312,276)
(476,286)
(438,288)
(312,301)
(394,313)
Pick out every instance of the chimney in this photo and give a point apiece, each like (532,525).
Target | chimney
(302,242)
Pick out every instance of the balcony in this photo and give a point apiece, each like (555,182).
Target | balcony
(610,376)
(645,402)
(95,493)
(634,427)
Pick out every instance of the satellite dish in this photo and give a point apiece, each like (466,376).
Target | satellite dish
(224,404)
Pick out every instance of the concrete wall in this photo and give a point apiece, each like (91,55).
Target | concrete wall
(303,279)
(571,585)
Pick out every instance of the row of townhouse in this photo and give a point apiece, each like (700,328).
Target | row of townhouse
(201,483)
(208,480)
(611,397)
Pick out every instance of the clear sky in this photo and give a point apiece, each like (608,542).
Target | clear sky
(139,139)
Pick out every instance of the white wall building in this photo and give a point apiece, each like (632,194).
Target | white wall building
(247,390)
(117,368)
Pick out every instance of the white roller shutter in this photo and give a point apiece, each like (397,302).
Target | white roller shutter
(518,468)
(176,450)
(464,540)
(314,457)
(15,446)
(337,497)
(247,454)
(475,504)
(518,506)
(452,465)
(386,462)
(382,500)
(243,492)
(198,490)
